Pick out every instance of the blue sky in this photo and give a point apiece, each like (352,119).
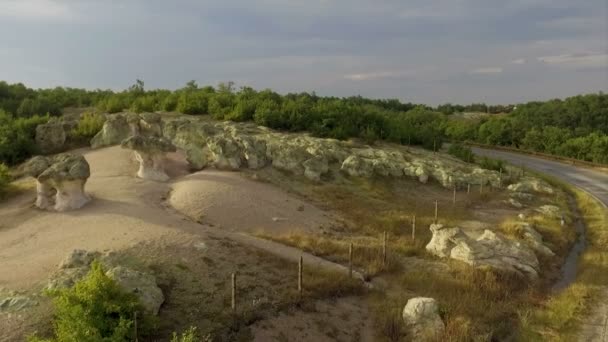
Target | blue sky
(431,51)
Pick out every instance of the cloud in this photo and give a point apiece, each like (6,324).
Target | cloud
(392,74)
(576,60)
(35,9)
(487,70)
(519,61)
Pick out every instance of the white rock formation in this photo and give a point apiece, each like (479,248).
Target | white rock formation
(421,317)
(141,284)
(489,250)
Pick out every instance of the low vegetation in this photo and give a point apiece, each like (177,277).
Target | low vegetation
(94,310)
(5,179)
(89,124)
(559,318)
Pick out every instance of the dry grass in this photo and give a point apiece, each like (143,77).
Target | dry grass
(558,318)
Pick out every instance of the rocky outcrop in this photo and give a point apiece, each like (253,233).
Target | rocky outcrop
(141,284)
(421,318)
(119,127)
(229,145)
(529,185)
(16,302)
(533,239)
(150,152)
(50,137)
(60,181)
(489,250)
(78,263)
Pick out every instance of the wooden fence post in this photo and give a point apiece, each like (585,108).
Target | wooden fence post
(233,297)
(350,260)
(414,227)
(500,179)
(481,187)
(300,268)
(454,197)
(384,238)
(436,211)
(135,324)
(468,188)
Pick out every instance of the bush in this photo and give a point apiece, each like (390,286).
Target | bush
(94,310)
(143,104)
(490,164)
(462,152)
(5,179)
(191,102)
(190,335)
(90,123)
(17,137)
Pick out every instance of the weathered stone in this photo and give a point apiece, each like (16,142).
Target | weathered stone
(79,258)
(16,303)
(489,250)
(315,167)
(550,211)
(141,284)
(150,153)
(114,131)
(533,239)
(357,166)
(528,185)
(421,317)
(51,137)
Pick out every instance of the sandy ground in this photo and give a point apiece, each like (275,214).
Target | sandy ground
(232,202)
(126,212)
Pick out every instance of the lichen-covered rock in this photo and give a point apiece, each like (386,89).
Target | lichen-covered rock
(421,318)
(141,284)
(528,185)
(533,239)
(550,211)
(79,258)
(315,167)
(51,137)
(489,250)
(114,131)
(150,152)
(16,302)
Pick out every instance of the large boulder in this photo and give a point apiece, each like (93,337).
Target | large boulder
(114,131)
(421,318)
(533,239)
(141,284)
(489,250)
(150,152)
(529,184)
(51,137)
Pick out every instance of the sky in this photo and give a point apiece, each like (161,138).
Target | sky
(423,51)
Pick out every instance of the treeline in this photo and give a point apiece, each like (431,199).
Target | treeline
(576,127)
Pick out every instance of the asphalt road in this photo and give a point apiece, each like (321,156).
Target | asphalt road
(594,182)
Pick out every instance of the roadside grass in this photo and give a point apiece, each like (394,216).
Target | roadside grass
(558,318)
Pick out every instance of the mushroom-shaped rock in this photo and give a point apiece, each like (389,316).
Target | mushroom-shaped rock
(67,175)
(151,124)
(421,316)
(44,191)
(141,284)
(150,153)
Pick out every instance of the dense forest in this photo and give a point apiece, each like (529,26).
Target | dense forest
(575,127)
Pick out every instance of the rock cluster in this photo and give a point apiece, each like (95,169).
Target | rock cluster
(489,250)
(142,284)
(119,127)
(60,181)
(51,137)
(228,145)
(421,318)
(528,185)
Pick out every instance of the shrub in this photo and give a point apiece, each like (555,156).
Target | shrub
(17,137)
(94,310)
(90,123)
(490,164)
(190,335)
(143,104)
(192,103)
(462,152)
(5,179)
